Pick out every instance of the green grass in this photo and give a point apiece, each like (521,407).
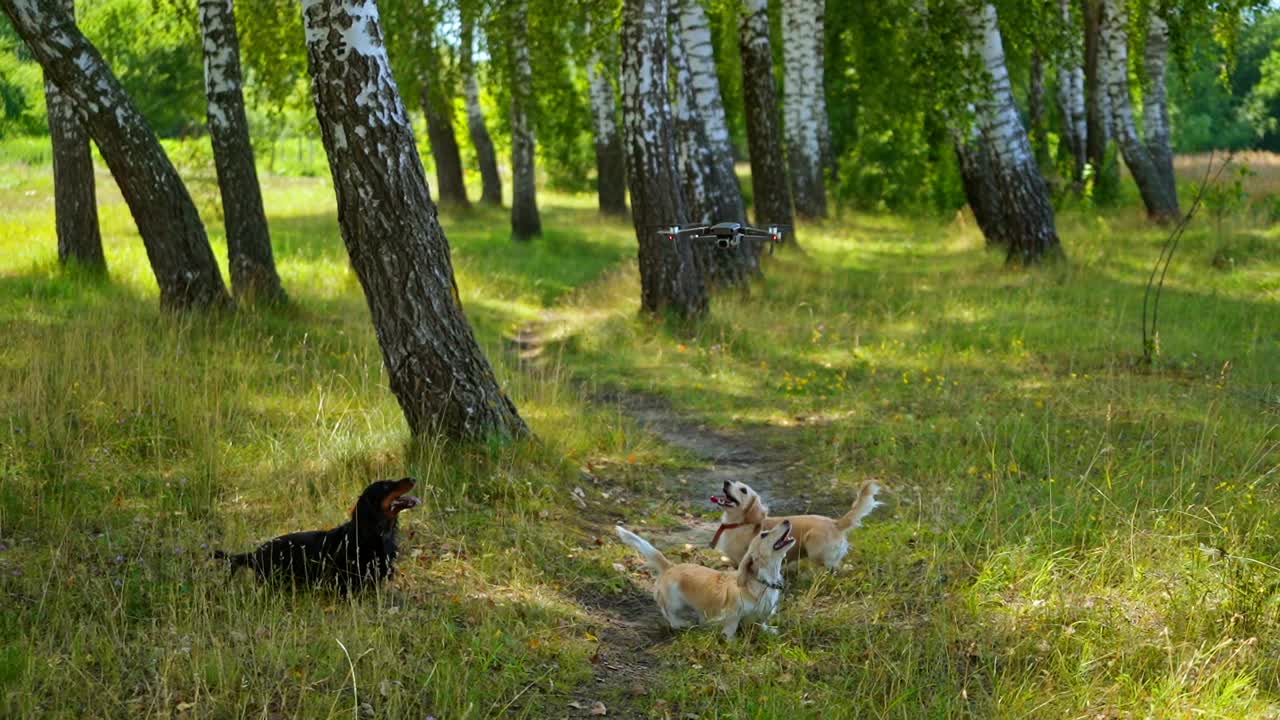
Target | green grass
(1068,534)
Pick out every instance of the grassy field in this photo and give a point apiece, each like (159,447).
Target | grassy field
(1068,533)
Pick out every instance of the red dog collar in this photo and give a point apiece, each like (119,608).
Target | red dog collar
(715,540)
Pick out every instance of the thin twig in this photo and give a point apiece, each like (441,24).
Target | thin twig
(1151,297)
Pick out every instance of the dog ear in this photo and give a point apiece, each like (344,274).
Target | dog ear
(746,570)
(757,512)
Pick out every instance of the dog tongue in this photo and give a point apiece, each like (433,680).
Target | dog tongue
(716,499)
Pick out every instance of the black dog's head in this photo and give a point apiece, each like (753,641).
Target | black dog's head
(382,502)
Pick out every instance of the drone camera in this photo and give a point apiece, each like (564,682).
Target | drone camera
(723,243)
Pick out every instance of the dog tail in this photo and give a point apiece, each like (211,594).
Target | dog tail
(656,560)
(862,507)
(235,560)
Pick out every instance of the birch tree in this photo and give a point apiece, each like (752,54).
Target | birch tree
(710,189)
(252,264)
(611,171)
(670,278)
(486,157)
(1027,223)
(1155,99)
(804,104)
(398,249)
(171,230)
(437,108)
(723,195)
(769,184)
(75,199)
(525,221)
(1071,103)
(1159,195)
(1097,107)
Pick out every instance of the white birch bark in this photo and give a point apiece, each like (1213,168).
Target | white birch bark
(1071,99)
(802,81)
(670,278)
(725,195)
(1160,199)
(1027,214)
(1155,103)
(603,107)
(693,157)
(397,248)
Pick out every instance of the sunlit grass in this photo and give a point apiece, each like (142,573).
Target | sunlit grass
(1068,534)
(1071,533)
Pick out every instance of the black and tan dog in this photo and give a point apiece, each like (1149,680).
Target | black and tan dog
(349,557)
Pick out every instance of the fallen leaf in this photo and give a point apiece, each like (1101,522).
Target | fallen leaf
(599,709)
(577,705)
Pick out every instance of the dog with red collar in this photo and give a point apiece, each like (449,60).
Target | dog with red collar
(825,540)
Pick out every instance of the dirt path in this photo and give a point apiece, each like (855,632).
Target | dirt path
(626,665)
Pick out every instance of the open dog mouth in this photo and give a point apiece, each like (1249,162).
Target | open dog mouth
(786,538)
(727,501)
(398,501)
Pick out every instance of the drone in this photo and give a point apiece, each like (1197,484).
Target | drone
(726,235)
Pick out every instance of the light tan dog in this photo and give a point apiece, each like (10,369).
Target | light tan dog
(690,594)
(821,538)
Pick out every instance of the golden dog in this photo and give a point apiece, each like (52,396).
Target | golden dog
(821,538)
(690,594)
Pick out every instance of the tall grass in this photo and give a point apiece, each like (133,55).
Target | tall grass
(1068,535)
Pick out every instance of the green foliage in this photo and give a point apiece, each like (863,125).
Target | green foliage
(154,50)
(1065,535)
(21,88)
(1221,96)
(273,54)
(897,75)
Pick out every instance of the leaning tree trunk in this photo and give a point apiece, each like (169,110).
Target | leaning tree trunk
(611,170)
(75,200)
(486,158)
(723,194)
(253,267)
(1160,198)
(1026,211)
(802,80)
(1071,103)
(397,248)
(438,111)
(1155,102)
(176,243)
(670,279)
(977,174)
(525,222)
(769,184)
